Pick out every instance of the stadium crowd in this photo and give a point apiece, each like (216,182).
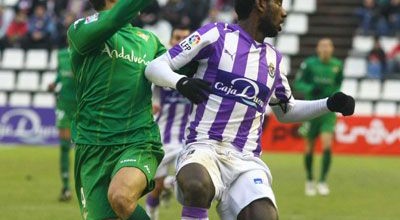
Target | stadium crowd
(380,18)
(33,24)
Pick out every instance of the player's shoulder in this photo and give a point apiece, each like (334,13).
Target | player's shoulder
(85,20)
(216,27)
(145,35)
(311,60)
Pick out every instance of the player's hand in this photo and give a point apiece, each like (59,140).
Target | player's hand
(51,87)
(340,102)
(196,90)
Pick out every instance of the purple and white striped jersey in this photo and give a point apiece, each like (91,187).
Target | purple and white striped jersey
(173,115)
(245,77)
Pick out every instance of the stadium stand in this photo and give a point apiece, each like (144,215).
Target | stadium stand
(25,74)
(364,108)
(350,86)
(13,58)
(355,67)
(43,100)
(7,79)
(385,109)
(370,89)
(19,99)
(28,81)
(391,90)
(36,59)
(3,99)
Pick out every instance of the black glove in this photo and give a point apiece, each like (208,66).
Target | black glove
(340,102)
(196,90)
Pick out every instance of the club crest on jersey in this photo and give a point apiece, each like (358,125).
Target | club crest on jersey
(336,69)
(143,35)
(271,70)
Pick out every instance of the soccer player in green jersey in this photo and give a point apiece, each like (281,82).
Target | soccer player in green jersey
(319,76)
(65,109)
(118,146)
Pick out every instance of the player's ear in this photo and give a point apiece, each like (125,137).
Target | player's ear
(261,5)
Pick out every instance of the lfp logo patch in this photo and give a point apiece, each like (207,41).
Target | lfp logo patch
(194,40)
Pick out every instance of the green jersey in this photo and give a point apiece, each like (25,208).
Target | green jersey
(315,75)
(109,57)
(65,77)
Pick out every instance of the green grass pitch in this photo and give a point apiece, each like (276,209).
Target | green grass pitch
(362,188)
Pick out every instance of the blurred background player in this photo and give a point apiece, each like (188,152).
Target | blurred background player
(118,144)
(65,110)
(319,76)
(172,110)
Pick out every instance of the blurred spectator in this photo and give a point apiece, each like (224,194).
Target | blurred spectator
(186,12)
(196,11)
(223,5)
(392,15)
(56,7)
(149,16)
(62,27)
(376,63)
(40,29)
(394,59)
(174,13)
(16,31)
(369,16)
(379,17)
(6,16)
(81,8)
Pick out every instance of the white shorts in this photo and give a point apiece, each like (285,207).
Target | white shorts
(171,154)
(239,178)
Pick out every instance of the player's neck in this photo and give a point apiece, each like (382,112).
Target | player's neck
(325,59)
(252,29)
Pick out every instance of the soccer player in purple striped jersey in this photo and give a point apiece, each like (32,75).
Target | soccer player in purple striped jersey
(172,112)
(237,77)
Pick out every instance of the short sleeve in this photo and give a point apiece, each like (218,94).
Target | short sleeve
(282,94)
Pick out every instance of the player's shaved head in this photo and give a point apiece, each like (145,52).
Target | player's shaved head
(243,8)
(325,48)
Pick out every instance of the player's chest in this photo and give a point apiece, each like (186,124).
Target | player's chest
(127,50)
(324,74)
(249,80)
